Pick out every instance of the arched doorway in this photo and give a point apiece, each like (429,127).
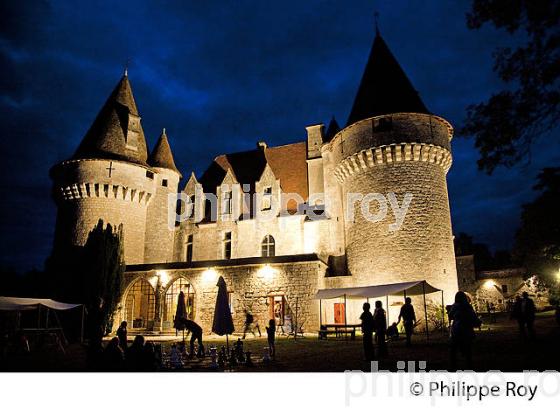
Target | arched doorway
(140,304)
(179,285)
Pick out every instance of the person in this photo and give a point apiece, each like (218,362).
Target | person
(122,335)
(271,333)
(196,336)
(516,314)
(134,357)
(113,356)
(408,316)
(463,321)
(528,311)
(250,324)
(393,332)
(367,331)
(380,325)
(175,357)
(149,363)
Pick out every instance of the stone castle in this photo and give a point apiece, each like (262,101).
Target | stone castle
(273,257)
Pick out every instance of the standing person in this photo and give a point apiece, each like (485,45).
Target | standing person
(516,314)
(528,311)
(408,317)
(271,334)
(380,324)
(367,331)
(463,321)
(122,334)
(250,324)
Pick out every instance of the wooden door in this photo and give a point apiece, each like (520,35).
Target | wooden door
(339,313)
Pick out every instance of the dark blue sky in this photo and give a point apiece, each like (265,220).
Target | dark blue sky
(221,75)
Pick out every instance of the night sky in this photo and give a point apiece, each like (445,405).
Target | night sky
(220,76)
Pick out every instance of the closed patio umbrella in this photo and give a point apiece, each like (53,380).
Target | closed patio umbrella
(180,314)
(223,323)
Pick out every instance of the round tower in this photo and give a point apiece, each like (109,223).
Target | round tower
(107,179)
(394,148)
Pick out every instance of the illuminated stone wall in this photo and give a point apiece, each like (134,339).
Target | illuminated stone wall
(160,235)
(252,288)
(413,157)
(85,193)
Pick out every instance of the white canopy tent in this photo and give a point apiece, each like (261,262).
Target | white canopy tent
(415,288)
(17,304)
(26,304)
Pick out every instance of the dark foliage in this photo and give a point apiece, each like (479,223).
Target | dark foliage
(505,126)
(538,238)
(85,274)
(483,257)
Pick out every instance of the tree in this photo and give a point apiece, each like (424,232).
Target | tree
(505,126)
(537,242)
(464,245)
(103,270)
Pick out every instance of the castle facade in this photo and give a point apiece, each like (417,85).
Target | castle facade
(365,204)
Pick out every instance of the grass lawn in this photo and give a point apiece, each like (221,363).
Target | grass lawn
(497,347)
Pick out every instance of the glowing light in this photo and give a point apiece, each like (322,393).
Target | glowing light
(489,284)
(267,272)
(209,275)
(163,277)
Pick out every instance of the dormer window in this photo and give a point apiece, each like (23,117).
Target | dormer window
(267,199)
(132,132)
(383,124)
(190,206)
(226,202)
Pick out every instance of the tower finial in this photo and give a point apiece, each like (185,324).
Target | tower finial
(376,19)
(163,132)
(126,67)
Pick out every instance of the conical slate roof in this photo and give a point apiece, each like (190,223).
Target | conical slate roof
(109,136)
(384,88)
(161,156)
(332,129)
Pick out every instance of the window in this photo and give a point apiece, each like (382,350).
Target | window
(190,207)
(227,245)
(504,289)
(268,246)
(267,198)
(172,296)
(226,203)
(189,248)
(383,124)
(149,175)
(164,182)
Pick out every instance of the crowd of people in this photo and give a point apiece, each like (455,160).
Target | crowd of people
(463,322)
(139,356)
